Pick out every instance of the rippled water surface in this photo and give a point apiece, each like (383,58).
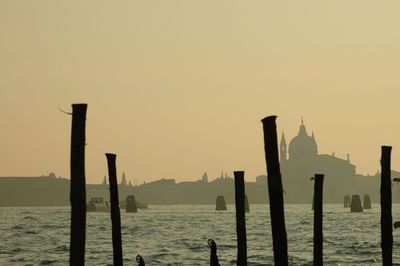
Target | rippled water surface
(177,235)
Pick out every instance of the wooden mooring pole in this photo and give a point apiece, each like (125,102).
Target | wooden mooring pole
(213,254)
(220,204)
(115,212)
(240,218)
(346,201)
(275,191)
(318,210)
(130,204)
(78,186)
(386,207)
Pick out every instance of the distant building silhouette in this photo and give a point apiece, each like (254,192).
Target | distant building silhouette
(261,179)
(300,160)
(123,180)
(205,177)
(52,175)
(283,151)
(303,161)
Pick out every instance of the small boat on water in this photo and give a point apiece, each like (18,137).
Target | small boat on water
(98,204)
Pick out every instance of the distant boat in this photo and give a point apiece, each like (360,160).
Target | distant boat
(98,204)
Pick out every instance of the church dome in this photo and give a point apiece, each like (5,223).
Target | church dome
(302,145)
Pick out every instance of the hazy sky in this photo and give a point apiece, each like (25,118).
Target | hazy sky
(176,88)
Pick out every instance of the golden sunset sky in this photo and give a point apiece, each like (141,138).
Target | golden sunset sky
(176,88)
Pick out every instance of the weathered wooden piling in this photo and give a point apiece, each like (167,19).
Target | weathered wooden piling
(213,254)
(346,201)
(275,191)
(367,202)
(140,260)
(386,207)
(78,186)
(220,204)
(240,218)
(246,204)
(115,212)
(318,210)
(356,204)
(131,204)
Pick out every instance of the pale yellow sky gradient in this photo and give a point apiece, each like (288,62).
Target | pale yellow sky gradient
(176,88)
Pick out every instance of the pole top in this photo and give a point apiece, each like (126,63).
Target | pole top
(79,104)
(269,119)
(111,155)
(318,177)
(240,172)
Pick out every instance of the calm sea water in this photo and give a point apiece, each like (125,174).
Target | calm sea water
(177,235)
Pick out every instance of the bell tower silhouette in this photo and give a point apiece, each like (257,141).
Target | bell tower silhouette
(283,148)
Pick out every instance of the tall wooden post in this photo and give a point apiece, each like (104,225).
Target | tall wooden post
(275,191)
(115,212)
(386,207)
(78,186)
(240,218)
(318,209)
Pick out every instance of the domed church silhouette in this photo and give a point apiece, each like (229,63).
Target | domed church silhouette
(301,161)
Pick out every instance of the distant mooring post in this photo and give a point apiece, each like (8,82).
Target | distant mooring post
(240,218)
(346,201)
(396,224)
(246,204)
(78,186)
(130,204)
(213,254)
(318,209)
(275,191)
(115,212)
(367,202)
(356,204)
(386,207)
(220,204)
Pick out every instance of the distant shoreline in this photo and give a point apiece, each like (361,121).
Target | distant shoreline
(48,191)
